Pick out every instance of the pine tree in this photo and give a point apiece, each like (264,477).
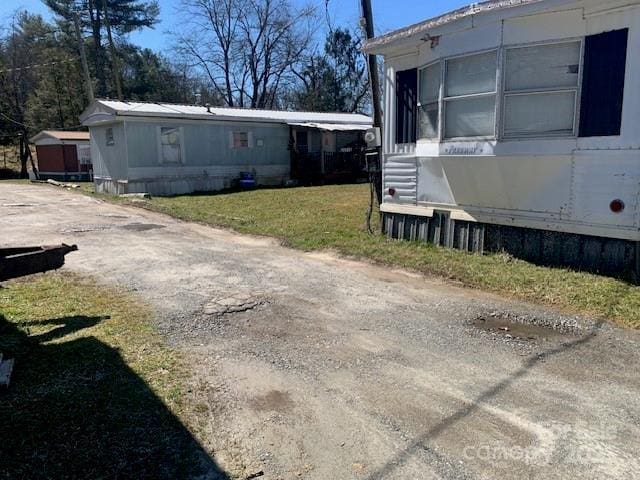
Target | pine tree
(124,16)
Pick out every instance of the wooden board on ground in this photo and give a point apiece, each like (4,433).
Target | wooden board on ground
(6,367)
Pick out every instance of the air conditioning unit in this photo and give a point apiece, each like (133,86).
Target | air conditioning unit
(372,137)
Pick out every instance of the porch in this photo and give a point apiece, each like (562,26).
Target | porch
(327,153)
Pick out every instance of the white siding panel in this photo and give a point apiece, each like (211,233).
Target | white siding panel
(110,161)
(525,183)
(433,185)
(401,173)
(468,39)
(544,27)
(598,179)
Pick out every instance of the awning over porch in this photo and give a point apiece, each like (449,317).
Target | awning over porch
(332,127)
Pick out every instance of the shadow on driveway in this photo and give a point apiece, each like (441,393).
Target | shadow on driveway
(422,442)
(76,410)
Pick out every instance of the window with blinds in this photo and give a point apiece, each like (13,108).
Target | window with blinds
(541,89)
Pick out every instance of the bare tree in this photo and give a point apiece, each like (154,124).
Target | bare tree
(245,47)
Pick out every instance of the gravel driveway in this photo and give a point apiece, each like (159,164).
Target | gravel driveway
(309,366)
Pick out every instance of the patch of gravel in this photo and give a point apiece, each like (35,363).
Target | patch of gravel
(236,303)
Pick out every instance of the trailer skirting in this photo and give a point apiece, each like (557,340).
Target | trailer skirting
(608,256)
(179,185)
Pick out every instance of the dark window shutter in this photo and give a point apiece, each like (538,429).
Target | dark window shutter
(605,59)
(406,105)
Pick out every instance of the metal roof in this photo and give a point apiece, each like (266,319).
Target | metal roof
(376,43)
(61,135)
(168,110)
(332,127)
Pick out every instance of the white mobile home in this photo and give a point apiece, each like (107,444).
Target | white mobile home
(515,125)
(166,149)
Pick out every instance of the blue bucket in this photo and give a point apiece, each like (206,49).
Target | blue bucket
(247,180)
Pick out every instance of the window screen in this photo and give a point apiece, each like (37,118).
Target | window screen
(472,74)
(543,66)
(541,86)
(170,142)
(605,59)
(470,117)
(240,140)
(529,114)
(406,105)
(429,102)
(470,96)
(109,137)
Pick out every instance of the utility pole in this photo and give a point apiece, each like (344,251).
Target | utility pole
(374,80)
(83,57)
(115,66)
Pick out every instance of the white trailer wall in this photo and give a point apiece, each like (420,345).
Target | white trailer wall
(562,184)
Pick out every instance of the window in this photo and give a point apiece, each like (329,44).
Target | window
(605,59)
(541,89)
(171,144)
(429,102)
(456,97)
(470,96)
(109,136)
(406,103)
(240,140)
(84,155)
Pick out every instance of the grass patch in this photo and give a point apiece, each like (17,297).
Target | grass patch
(95,393)
(333,217)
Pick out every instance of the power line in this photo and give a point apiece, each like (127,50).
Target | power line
(74,127)
(14,121)
(37,65)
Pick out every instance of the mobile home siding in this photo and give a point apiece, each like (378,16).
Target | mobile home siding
(166,149)
(110,161)
(562,184)
(210,161)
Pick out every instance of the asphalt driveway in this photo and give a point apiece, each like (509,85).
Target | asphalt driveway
(310,366)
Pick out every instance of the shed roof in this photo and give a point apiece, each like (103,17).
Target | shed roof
(373,45)
(113,108)
(61,135)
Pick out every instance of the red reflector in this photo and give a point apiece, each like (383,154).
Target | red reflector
(392,191)
(617,206)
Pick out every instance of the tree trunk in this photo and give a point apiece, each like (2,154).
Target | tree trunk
(98,49)
(115,64)
(23,155)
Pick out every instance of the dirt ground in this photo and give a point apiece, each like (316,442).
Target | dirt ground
(309,366)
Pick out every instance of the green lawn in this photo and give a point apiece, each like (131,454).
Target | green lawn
(95,393)
(333,217)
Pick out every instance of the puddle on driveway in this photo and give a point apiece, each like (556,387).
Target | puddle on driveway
(510,329)
(274,400)
(141,227)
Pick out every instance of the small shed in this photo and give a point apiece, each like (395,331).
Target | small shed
(63,155)
(170,149)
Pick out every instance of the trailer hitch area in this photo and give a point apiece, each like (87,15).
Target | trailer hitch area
(21,261)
